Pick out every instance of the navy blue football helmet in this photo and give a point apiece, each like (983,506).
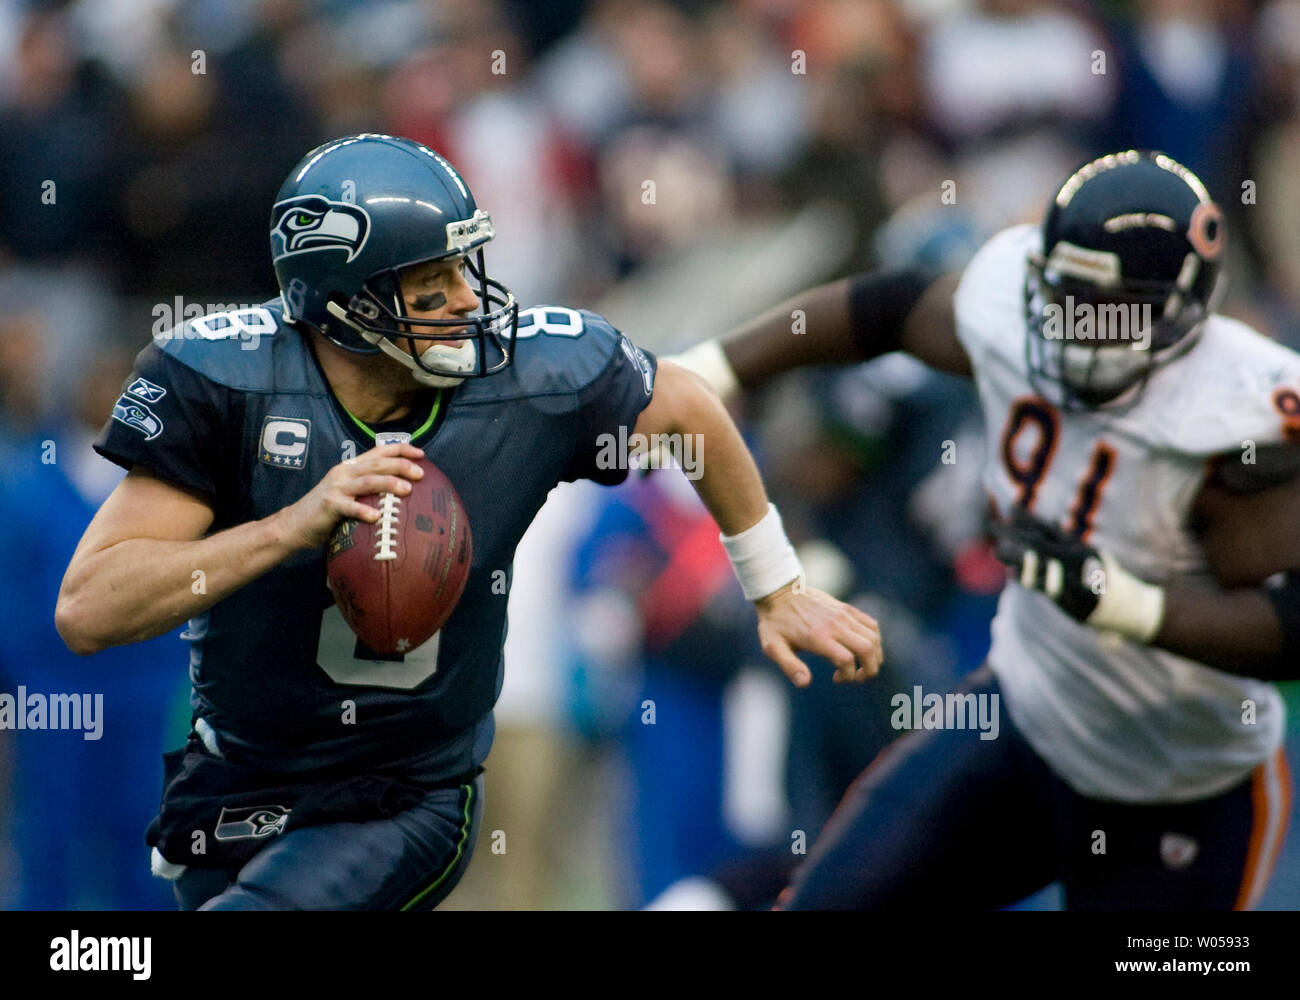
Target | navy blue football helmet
(349,217)
(1135,238)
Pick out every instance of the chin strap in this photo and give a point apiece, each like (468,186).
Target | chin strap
(463,358)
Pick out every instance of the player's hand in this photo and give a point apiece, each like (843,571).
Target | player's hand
(1044,558)
(1086,583)
(804,619)
(388,468)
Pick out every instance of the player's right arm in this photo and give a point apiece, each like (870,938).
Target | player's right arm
(133,575)
(843,322)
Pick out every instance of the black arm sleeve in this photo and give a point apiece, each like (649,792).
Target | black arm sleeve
(1272,465)
(879,304)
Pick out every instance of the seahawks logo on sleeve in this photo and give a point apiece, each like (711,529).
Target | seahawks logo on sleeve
(252,823)
(132,408)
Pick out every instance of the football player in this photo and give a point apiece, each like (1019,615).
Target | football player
(316,777)
(1139,777)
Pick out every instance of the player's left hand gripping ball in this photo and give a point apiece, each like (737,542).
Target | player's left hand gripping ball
(397,581)
(798,617)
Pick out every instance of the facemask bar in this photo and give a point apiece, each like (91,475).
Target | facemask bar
(491,331)
(1175,326)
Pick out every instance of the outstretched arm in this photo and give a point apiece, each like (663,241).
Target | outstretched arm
(843,322)
(791,616)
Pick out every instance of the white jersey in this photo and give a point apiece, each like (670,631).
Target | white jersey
(1115,719)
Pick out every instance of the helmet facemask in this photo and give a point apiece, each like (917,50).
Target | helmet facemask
(1097,339)
(439,352)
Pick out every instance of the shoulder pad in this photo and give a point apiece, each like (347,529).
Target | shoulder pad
(560,350)
(247,348)
(1236,391)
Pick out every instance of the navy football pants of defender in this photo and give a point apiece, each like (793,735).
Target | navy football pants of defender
(944,819)
(410,861)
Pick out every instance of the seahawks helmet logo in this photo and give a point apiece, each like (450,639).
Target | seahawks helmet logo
(313,222)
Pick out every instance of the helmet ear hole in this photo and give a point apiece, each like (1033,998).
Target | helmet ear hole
(335,328)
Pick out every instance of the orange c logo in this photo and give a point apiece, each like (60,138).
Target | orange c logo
(1205,231)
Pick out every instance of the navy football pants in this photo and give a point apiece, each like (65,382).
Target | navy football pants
(411,861)
(945,820)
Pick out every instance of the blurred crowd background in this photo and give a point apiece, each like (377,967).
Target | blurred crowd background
(646,752)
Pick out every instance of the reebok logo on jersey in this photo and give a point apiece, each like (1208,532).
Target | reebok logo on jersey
(252,823)
(284,442)
(142,388)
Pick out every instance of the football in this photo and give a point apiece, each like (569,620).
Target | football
(397,581)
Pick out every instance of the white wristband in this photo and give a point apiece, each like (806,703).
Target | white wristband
(763,558)
(709,362)
(1128,606)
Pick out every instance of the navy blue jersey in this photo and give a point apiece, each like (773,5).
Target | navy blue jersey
(237,410)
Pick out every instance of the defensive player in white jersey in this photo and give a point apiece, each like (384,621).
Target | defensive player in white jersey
(1138,449)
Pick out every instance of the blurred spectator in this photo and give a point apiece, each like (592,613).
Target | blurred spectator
(1186,80)
(1273,216)
(1007,67)
(80,806)
(1018,91)
(865,116)
(198,171)
(59,126)
(853,446)
(662,629)
(55,319)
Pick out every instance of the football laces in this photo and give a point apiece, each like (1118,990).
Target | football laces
(386,527)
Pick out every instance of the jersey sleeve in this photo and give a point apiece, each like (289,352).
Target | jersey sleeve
(608,408)
(989,301)
(169,419)
(1236,401)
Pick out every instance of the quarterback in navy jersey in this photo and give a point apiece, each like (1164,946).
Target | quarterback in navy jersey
(316,776)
